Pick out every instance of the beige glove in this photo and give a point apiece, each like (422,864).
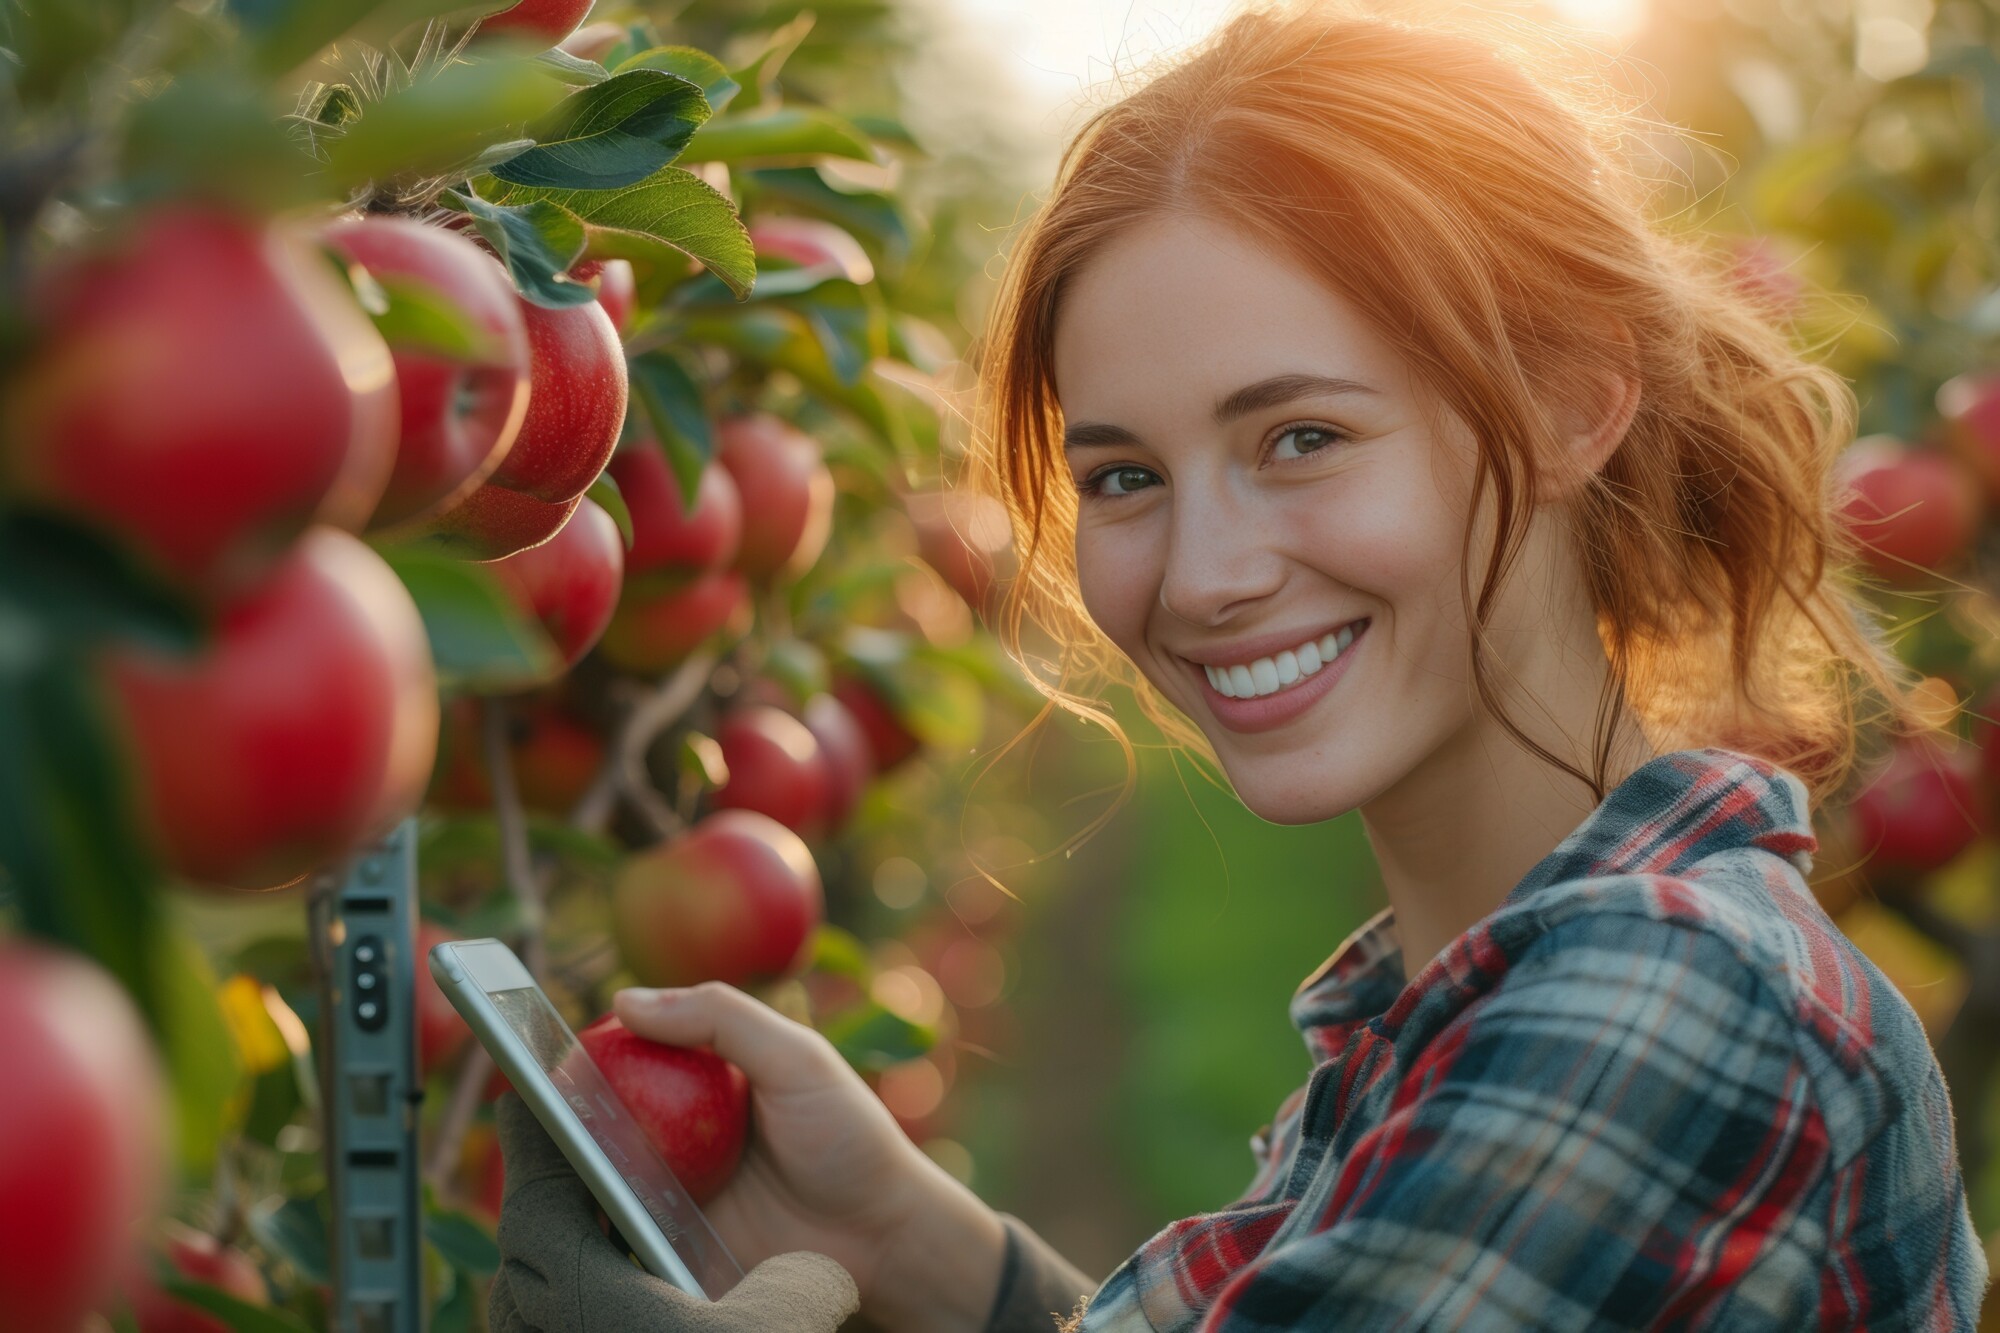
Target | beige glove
(559,1273)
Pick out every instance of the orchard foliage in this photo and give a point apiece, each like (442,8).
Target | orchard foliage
(412,408)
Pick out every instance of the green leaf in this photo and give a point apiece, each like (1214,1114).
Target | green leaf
(480,641)
(463,1242)
(49,44)
(759,78)
(537,240)
(696,66)
(674,208)
(786,132)
(840,953)
(851,324)
(236,1315)
(442,121)
(417,316)
(67,584)
(781,339)
(672,403)
(605,494)
(872,1038)
(200,1054)
(570,69)
(615,134)
(293,1230)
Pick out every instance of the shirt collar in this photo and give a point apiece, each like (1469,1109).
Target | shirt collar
(1674,810)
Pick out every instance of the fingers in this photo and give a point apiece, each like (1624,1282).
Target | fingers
(777,1054)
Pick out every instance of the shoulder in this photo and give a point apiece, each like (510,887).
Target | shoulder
(1733,948)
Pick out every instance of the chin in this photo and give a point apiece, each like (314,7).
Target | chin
(1276,801)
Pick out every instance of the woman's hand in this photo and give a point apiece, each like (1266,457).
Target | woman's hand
(828,1169)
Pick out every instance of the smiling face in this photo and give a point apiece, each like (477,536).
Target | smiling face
(1269,528)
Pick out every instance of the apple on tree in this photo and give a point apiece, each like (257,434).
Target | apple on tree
(197,1257)
(666,534)
(662,618)
(555,758)
(169,361)
(775,768)
(787,494)
(459,413)
(576,407)
(307,725)
(844,753)
(541,23)
(736,898)
(617,288)
(82,1136)
(1920,811)
(570,583)
(889,741)
(812,244)
(1910,510)
(692,1105)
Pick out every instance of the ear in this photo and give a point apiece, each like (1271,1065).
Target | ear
(1594,426)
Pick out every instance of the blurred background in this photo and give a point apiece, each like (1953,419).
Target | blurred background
(1087,1030)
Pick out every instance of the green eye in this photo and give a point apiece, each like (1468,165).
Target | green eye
(1306,440)
(1119,481)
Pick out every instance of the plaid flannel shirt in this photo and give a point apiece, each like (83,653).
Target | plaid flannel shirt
(1657,1088)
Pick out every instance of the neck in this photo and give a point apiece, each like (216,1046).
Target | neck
(1460,830)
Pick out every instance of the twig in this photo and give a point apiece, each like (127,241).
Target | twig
(624,770)
(474,1072)
(516,860)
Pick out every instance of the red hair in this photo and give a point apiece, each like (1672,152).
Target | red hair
(1480,206)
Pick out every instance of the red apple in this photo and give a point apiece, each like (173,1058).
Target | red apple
(555,758)
(576,406)
(889,741)
(965,537)
(661,621)
(197,1257)
(459,413)
(493,523)
(735,899)
(617,289)
(787,494)
(1911,510)
(540,22)
(441,1030)
(204,387)
(1970,406)
(1920,812)
(693,1105)
(570,582)
(665,535)
(82,1136)
(844,753)
(812,244)
(775,768)
(308,725)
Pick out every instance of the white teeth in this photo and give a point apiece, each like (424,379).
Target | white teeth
(1268,675)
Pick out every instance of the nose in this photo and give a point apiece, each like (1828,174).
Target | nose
(1221,557)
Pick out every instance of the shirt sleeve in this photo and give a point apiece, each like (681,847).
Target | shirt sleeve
(1621,1131)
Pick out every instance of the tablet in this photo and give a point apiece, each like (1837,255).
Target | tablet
(555,1076)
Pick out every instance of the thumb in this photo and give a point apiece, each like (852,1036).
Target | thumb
(799,1289)
(777,1054)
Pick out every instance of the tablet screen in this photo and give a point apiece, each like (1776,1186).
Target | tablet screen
(576,1078)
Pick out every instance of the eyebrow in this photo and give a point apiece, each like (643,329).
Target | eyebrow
(1266,393)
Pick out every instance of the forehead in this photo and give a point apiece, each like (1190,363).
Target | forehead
(1179,310)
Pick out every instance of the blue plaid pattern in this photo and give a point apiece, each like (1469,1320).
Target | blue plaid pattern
(1656,1088)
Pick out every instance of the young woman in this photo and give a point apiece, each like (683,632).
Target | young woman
(1349,406)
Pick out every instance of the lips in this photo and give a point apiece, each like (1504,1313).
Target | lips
(1268,711)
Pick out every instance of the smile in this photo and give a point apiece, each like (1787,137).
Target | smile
(1285,670)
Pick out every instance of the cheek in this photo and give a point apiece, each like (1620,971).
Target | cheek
(1116,584)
